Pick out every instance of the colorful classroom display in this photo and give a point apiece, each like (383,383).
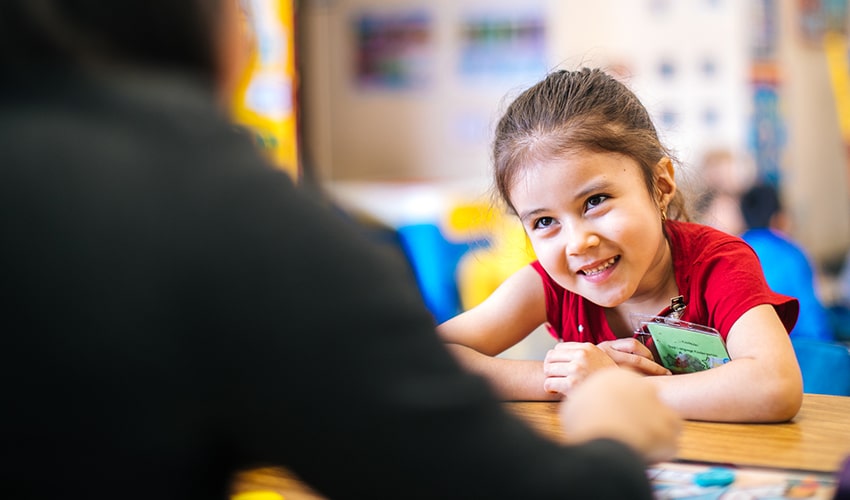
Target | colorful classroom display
(266,96)
(693,481)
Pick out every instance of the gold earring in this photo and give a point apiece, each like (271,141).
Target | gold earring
(663,214)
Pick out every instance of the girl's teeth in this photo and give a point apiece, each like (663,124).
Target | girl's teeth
(600,268)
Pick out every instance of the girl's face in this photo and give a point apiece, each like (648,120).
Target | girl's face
(595,227)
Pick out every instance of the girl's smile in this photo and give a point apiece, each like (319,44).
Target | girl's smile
(598,273)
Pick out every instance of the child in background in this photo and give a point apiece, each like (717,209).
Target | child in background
(578,160)
(786,265)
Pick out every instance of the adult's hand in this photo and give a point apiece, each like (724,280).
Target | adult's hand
(619,404)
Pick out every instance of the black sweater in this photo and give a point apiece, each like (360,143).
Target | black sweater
(175,310)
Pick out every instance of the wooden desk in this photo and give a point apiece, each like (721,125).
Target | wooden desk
(817,439)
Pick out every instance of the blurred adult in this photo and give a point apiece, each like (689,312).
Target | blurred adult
(176,310)
(786,265)
(723,177)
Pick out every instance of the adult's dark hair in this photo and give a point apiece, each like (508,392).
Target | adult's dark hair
(573,111)
(759,204)
(175,33)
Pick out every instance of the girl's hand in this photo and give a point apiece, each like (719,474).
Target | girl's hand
(569,363)
(629,353)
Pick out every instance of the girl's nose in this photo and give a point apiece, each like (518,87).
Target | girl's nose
(580,238)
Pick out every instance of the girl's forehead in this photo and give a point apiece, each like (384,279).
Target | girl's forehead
(578,167)
(576,176)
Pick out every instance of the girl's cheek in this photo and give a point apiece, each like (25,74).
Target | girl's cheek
(550,254)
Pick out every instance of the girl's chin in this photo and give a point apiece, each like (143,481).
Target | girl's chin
(601,296)
(605,300)
(606,304)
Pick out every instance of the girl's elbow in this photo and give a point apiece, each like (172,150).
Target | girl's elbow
(783,400)
(788,408)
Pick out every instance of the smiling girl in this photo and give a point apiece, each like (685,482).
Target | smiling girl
(579,161)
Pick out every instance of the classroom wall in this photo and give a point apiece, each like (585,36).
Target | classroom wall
(815,165)
(437,128)
(434,129)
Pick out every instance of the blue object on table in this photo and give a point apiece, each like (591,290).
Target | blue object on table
(825,366)
(715,476)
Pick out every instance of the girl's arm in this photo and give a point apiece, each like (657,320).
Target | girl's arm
(762,382)
(506,317)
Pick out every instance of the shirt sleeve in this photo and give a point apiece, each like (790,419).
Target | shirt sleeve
(729,278)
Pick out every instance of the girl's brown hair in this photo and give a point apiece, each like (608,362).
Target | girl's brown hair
(570,111)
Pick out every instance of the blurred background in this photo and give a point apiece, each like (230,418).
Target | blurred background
(393,104)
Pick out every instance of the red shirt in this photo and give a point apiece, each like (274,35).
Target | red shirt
(718,275)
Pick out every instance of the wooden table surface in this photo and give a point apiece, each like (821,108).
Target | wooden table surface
(817,439)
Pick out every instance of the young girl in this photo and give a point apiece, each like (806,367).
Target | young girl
(579,161)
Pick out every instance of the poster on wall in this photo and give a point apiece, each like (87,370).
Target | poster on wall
(499,46)
(818,17)
(394,49)
(767,133)
(767,124)
(764,30)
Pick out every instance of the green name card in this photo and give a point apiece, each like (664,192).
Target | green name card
(685,350)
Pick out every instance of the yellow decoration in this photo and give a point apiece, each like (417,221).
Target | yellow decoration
(257,495)
(835,46)
(481,270)
(266,96)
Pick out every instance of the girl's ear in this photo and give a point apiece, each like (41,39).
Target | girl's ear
(665,183)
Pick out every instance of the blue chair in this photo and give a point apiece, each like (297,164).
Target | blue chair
(434,260)
(825,366)
(839,315)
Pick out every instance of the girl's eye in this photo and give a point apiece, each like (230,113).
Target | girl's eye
(543,222)
(595,200)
